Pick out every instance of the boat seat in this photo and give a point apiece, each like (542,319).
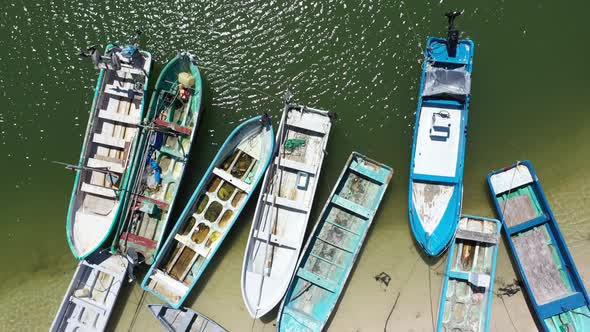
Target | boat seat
(111,166)
(109,141)
(87,303)
(315,126)
(98,190)
(118,117)
(176,128)
(125,68)
(160,204)
(279,241)
(464,234)
(102,269)
(360,169)
(287,163)
(317,280)
(225,176)
(285,202)
(122,92)
(352,206)
(200,250)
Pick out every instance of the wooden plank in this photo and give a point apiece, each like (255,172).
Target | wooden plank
(118,117)
(518,209)
(98,163)
(108,140)
(287,163)
(243,186)
(317,280)
(368,173)
(285,202)
(352,206)
(98,190)
(541,270)
(477,236)
(176,128)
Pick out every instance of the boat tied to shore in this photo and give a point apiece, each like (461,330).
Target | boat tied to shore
(334,245)
(438,150)
(284,206)
(170,127)
(104,169)
(468,282)
(212,210)
(545,265)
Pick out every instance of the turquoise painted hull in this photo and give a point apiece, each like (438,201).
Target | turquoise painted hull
(125,179)
(210,213)
(465,305)
(334,245)
(169,144)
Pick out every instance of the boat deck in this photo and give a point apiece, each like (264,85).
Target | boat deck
(437,142)
(283,209)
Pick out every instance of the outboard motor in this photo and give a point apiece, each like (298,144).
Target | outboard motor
(452,33)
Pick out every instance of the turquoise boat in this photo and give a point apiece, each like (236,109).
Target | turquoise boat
(466,295)
(211,211)
(170,128)
(545,266)
(104,169)
(438,152)
(334,245)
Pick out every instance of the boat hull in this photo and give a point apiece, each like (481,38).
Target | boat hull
(283,208)
(468,282)
(92,294)
(334,245)
(545,266)
(211,211)
(183,319)
(161,161)
(438,151)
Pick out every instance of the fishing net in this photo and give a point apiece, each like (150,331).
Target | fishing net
(187,80)
(294,143)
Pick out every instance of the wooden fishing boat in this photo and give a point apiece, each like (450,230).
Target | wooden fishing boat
(545,265)
(102,174)
(466,295)
(283,208)
(183,320)
(211,211)
(436,169)
(334,245)
(91,296)
(171,126)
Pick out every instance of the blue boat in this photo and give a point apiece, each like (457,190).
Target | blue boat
(334,245)
(545,265)
(436,170)
(211,211)
(466,295)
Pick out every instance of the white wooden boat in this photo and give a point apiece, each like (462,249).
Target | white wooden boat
(283,208)
(103,172)
(90,298)
(183,320)
(211,211)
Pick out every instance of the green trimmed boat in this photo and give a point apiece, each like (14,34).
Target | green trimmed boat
(171,125)
(105,166)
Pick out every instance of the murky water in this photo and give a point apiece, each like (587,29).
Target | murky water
(357,58)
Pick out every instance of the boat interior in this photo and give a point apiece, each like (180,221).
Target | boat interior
(160,173)
(92,295)
(465,306)
(284,206)
(109,147)
(539,250)
(197,236)
(334,245)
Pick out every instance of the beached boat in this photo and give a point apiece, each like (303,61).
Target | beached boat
(545,265)
(466,295)
(183,319)
(334,245)
(211,211)
(91,296)
(171,126)
(103,172)
(283,209)
(436,169)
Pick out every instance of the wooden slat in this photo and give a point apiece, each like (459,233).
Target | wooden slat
(280,241)
(230,179)
(285,202)
(287,163)
(176,128)
(111,166)
(109,140)
(98,190)
(317,280)
(118,117)
(368,173)
(352,206)
(477,236)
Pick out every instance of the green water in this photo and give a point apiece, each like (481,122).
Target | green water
(357,58)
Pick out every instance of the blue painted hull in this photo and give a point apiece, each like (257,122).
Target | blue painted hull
(187,245)
(468,256)
(565,303)
(334,245)
(435,239)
